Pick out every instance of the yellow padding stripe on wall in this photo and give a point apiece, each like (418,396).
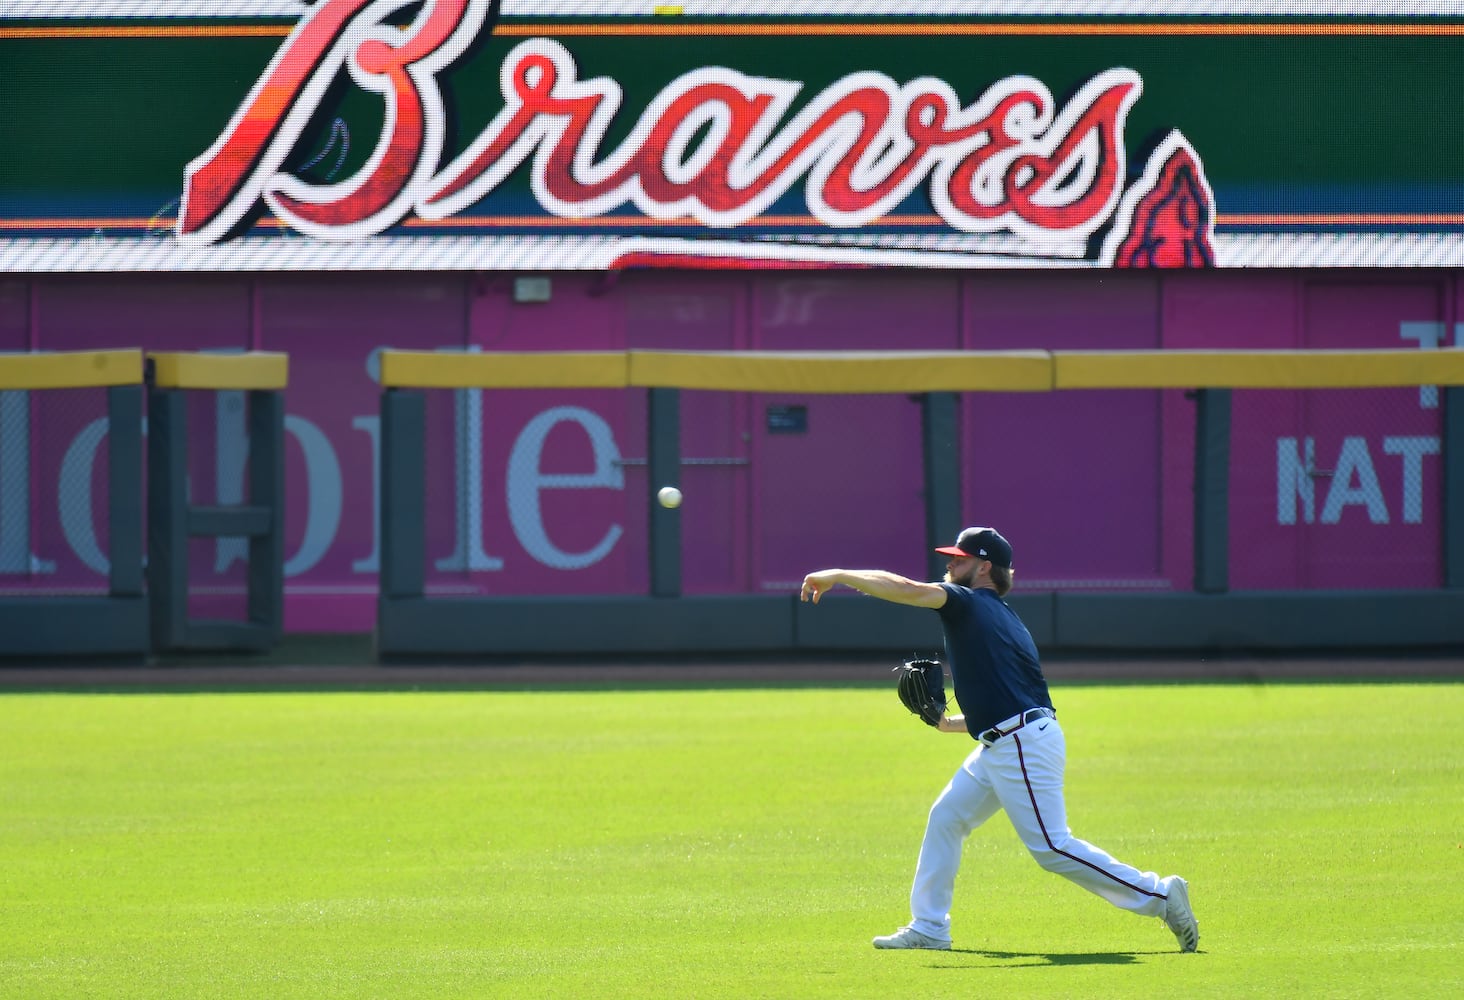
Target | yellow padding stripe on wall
(738,371)
(844,371)
(70,369)
(813,372)
(1256,369)
(194,370)
(450,370)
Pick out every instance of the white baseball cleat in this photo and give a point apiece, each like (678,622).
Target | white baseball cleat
(909,937)
(1178,916)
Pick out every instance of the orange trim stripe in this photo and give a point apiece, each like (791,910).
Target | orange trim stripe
(633,222)
(616,222)
(1343,219)
(157,222)
(769,30)
(985,28)
(1221,219)
(152,31)
(458,222)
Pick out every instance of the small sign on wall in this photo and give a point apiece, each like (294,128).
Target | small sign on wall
(532,289)
(787,419)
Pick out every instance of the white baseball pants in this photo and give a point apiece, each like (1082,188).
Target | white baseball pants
(1021,773)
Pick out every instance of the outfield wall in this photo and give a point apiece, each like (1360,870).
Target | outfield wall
(1094,487)
(329,179)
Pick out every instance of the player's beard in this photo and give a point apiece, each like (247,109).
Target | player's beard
(964,580)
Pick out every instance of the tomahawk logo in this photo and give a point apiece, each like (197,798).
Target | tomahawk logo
(716,147)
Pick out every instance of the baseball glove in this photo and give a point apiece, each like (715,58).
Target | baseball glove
(922,689)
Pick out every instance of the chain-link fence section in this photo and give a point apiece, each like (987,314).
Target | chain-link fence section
(71,574)
(54,513)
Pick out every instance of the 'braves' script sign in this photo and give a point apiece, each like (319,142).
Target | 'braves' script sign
(715,148)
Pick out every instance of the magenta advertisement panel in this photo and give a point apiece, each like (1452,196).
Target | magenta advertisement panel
(545,492)
(1329,488)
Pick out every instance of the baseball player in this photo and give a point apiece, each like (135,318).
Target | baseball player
(1020,754)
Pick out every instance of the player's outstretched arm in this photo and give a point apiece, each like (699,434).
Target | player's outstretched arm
(876,583)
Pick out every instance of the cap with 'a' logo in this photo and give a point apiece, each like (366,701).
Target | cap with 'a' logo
(982,543)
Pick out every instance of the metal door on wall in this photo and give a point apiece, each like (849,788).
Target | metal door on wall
(1072,478)
(838,479)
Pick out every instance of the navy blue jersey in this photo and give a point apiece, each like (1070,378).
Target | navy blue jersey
(992,658)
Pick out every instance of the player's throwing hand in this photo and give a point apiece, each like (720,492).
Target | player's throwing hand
(815,585)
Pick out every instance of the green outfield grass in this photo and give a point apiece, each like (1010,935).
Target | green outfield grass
(711,843)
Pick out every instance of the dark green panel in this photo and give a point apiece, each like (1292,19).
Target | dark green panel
(74,627)
(100,119)
(1256,620)
(116,117)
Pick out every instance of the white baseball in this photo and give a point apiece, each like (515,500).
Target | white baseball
(669,497)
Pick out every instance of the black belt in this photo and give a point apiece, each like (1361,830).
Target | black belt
(1030,715)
